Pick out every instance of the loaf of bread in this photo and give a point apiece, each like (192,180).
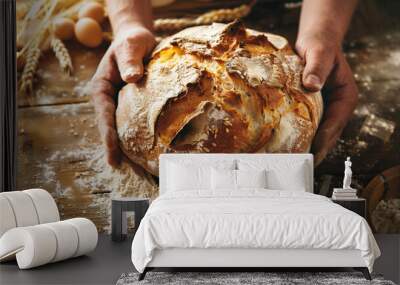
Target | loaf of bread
(218,89)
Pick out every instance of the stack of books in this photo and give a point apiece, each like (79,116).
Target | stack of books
(342,194)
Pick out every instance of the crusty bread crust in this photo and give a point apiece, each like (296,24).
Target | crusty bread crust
(220,89)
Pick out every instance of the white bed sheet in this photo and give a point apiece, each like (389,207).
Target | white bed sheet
(251,218)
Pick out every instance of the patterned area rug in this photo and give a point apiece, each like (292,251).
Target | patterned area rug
(243,278)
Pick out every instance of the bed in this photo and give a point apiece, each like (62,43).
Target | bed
(246,211)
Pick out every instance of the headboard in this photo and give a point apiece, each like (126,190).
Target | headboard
(210,158)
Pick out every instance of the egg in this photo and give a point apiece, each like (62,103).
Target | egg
(88,32)
(63,28)
(92,10)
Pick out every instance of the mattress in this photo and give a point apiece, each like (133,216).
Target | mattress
(250,219)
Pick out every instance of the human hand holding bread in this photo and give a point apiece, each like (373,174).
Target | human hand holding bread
(133,40)
(323,25)
(122,62)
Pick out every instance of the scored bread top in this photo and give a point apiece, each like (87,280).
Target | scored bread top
(219,88)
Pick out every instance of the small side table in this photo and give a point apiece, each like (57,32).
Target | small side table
(119,207)
(357,205)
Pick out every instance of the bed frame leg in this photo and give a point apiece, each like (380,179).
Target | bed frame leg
(364,271)
(143,274)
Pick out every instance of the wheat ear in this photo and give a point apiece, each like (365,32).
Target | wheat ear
(221,15)
(32,61)
(62,54)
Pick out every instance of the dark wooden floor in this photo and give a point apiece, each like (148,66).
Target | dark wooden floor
(111,259)
(103,266)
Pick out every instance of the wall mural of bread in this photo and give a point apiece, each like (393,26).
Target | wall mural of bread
(208,87)
(219,89)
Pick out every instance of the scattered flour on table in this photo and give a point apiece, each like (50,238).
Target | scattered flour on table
(96,179)
(120,182)
(80,88)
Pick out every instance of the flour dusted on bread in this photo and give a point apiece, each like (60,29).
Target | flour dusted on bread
(218,89)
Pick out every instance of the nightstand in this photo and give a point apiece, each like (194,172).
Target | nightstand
(357,205)
(119,209)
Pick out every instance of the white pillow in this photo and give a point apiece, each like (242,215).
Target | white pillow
(223,179)
(227,179)
(251,178)
(292,179)
(282,174)
(193,174)
(182,177)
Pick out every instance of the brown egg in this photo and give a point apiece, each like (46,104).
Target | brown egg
(92,10)
(63,28)
(88,32)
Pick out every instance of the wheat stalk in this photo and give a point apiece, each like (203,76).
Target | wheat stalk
(221,15)
(62,54)
(48,9)
(32,60)
(165,25)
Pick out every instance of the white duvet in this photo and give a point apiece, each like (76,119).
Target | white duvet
(253,218)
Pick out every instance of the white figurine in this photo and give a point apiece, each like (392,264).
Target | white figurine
(347,174)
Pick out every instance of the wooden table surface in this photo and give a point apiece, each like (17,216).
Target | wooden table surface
(59,146)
